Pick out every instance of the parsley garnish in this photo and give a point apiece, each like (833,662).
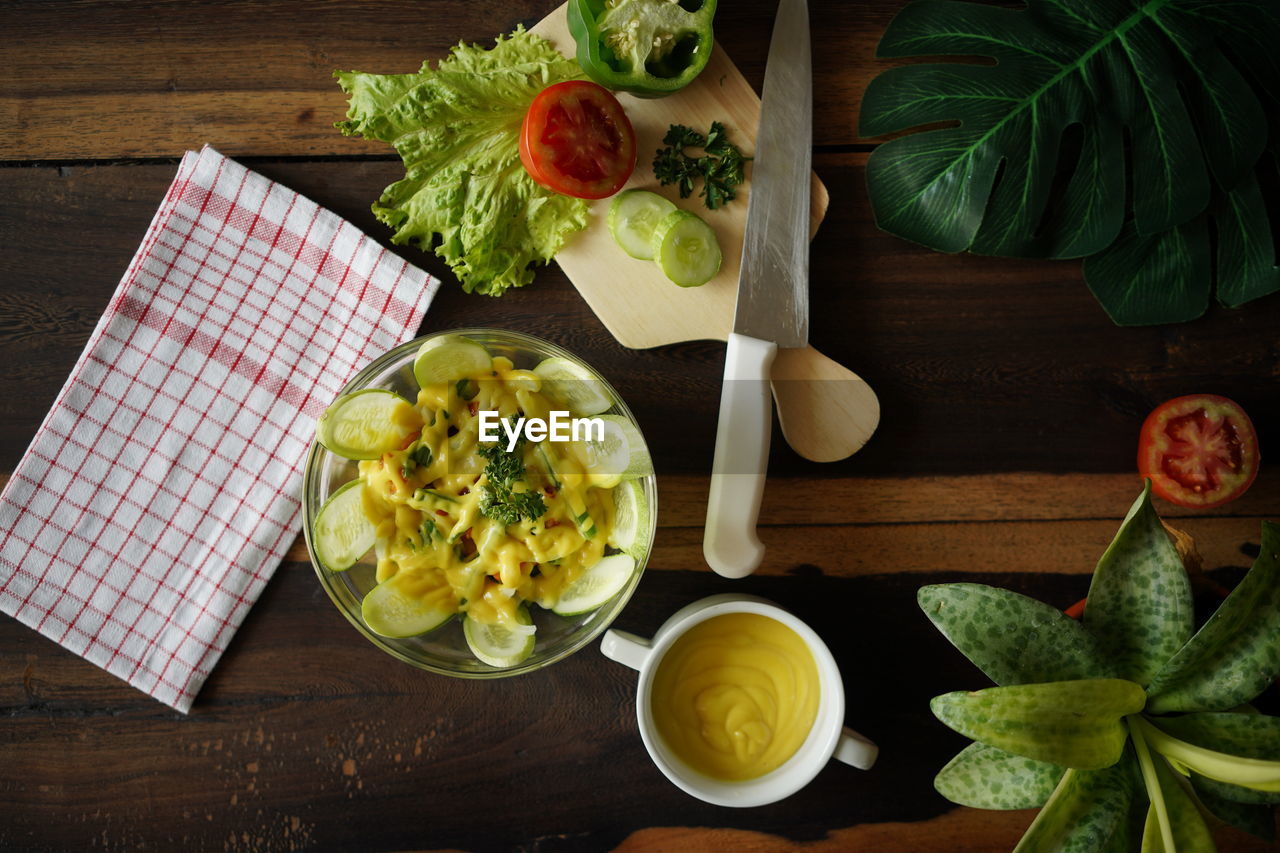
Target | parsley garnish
(428,531)
(500,501)
(466,389)
(419,456)
(720,167)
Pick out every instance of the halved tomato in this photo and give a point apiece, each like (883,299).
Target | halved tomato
(577,140)
(1199,451)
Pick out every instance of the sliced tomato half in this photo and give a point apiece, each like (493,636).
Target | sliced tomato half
(1199,451)
(577,140)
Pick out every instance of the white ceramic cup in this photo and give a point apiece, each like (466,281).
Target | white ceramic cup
(828,738)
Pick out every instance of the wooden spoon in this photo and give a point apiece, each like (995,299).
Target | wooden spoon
(826,410)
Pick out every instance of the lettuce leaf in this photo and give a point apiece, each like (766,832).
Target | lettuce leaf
(457,129)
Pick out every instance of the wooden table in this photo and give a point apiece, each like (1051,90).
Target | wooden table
(1005,455)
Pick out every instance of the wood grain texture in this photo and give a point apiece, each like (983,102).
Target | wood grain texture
(1013,523)
(959,831)
(152,78)
(1005,456)
(981,365)
(307,738)
(304,721)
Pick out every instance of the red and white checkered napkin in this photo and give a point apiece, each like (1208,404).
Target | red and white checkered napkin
(163,488)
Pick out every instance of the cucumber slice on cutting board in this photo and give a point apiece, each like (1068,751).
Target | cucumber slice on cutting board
(578,388)
(631,528)
(686,248)
(498,644)
(395,608)
(342,533)
(633,215)
(363,425)
(449,358)
(597,585)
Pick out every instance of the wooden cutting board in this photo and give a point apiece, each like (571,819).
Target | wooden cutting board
(633,299)
(826,411)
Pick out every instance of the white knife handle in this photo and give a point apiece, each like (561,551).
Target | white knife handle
(730,543)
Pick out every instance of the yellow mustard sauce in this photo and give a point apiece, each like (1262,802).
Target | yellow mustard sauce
(431,533)
(736,695)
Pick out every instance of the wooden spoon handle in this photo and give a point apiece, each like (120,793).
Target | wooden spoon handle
(827,411)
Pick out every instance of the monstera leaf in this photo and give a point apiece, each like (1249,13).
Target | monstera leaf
(1168,277)
(1099,119)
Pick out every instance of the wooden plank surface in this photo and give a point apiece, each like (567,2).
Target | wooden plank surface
(1005,455)
(982,365)
(155,77)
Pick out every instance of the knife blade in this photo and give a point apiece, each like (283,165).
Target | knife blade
(773,283)
(773,295)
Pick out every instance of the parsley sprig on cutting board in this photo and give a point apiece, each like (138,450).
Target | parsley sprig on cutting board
(720,167)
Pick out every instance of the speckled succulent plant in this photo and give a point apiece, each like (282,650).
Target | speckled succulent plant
(1129,727)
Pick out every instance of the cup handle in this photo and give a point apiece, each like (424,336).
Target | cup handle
(854,749)
(626,649)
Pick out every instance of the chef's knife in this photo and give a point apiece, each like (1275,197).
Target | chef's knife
(773,295)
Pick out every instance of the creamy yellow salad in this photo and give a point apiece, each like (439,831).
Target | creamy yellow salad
(437,517)
(495,488)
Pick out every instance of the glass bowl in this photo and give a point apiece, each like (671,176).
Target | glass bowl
(445,650)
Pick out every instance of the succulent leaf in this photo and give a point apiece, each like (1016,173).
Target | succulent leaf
(1012,638)
(1072,723)
(1256,773)
(1088,812)
(1259,820)
(1247,735)
(1043,727)
(1237,653)
(1234,793)
(985,777)
(1173,817)
(1139,606)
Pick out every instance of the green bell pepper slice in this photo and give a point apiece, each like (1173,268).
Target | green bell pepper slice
(649,48)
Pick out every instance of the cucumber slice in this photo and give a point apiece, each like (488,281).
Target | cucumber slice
(393,609)
(631,529)
(604,481)
(449,358)
(578,388)
(686,248)
(363,425)
(342,533)
(600,583)
(621,453)
(498,644)
(632,217)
